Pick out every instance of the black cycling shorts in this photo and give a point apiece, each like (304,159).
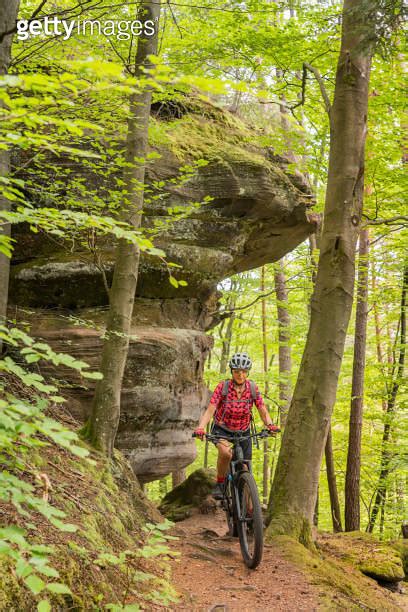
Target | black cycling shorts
(246,445)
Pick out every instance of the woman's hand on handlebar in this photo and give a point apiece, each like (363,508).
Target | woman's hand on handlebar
(199,433)
(273,429)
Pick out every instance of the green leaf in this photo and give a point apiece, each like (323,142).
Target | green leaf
(23,569)
(58,587)
(67,527)
(14,534)
(44,606)
(173,281)
(34,583)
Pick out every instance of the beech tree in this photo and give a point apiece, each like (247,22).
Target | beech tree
(285,361)
(294,489)
(8,16)
(352,490)
(104,420)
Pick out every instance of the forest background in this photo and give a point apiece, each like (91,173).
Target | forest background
(272,66)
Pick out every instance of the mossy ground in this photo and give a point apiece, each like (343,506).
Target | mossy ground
(341,583)
(107,505)
(376,559)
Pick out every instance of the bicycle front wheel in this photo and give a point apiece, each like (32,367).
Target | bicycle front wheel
(250,521)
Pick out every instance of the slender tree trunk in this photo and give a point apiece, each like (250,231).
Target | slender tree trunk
(377,326)
(207,429)
(385,467)
(8,16)
(266,468)
(352,484)
(328,449)
(104,420)
(331,481)
(163,487)
(382,512)
(226,342)
(285,360)
(313,264)
(225,352)
(178,477)
(294,489)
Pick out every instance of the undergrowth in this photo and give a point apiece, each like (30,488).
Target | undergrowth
(76,531)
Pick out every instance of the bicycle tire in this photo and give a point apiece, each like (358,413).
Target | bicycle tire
(250,530)
(230,511)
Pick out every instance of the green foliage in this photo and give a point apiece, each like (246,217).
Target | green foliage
(142,583)
(24,428)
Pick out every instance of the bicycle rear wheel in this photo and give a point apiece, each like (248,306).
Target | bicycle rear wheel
(250,521)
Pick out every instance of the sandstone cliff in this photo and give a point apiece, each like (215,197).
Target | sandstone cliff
(252,212)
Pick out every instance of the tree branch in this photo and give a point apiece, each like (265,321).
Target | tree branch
(320,81)
(391,221)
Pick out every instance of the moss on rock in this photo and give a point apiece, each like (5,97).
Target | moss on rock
(401,546)
(373,558)
(179,503)
(342,584)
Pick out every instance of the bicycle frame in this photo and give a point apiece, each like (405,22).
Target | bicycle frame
(239,460)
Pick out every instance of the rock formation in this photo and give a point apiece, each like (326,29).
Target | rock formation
(251,212)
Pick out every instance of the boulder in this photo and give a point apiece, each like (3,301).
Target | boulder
(192,493)
(401,546)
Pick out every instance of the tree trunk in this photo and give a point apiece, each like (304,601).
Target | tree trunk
(294,489)
(226,341)
(8,16)
(385,452)
(162,487)
(328,449)
(178,477)
(285,360)
(266,468)
(352,484)
(316,511)
(377,326)
(207,429)
(332,484)
(104,420)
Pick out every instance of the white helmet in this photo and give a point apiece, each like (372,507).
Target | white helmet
(240,361)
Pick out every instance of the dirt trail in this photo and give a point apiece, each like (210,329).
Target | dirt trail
(211,575)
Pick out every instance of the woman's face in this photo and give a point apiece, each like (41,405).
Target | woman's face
(239,376)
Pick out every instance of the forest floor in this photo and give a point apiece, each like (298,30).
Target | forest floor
(210,573)
(210,576)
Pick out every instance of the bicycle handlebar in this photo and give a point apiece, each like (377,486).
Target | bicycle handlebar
(264,433)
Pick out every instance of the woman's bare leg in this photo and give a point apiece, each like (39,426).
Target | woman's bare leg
(224,458)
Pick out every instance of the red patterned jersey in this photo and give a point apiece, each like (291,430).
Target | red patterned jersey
(231,412)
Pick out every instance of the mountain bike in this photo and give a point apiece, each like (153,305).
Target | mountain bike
(241,500)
